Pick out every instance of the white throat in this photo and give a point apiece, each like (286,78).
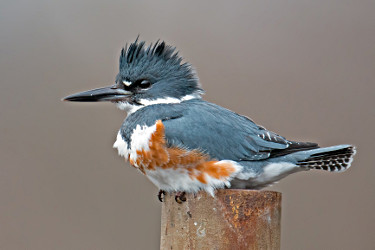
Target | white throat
(131,108)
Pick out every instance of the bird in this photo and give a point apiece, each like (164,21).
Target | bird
(184,144)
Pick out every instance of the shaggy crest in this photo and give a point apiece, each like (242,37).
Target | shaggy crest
(156,61)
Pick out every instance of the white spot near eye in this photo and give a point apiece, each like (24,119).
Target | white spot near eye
(126,83)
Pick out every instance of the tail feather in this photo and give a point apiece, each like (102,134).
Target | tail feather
(333,159)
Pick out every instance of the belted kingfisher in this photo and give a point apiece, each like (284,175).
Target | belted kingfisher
(185,144)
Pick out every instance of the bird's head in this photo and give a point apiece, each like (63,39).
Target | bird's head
(147,75)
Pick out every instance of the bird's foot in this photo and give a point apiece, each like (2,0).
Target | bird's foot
(161,195)
(180,197)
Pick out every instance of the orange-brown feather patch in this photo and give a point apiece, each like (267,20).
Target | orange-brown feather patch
(196,163)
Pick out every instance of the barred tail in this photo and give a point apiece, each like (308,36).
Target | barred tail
(333,159)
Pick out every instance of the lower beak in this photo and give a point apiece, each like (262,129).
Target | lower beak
(111,94)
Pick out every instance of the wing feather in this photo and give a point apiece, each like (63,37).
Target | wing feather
(220,133)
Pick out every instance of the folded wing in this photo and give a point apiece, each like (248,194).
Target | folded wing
(221,133)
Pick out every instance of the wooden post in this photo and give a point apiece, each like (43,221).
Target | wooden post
(233,219)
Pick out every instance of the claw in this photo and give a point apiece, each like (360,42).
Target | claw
(161,195)
(180,197)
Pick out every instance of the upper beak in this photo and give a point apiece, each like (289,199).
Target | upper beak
(112,94)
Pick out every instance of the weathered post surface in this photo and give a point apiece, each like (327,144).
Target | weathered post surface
(233,219)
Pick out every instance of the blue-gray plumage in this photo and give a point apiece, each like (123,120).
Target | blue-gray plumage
(183,143)
(215,130)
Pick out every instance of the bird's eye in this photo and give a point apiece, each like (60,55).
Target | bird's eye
(143,84)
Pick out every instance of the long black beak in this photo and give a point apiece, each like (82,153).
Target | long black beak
(112,94)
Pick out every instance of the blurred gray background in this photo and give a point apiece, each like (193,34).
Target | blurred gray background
(304,69)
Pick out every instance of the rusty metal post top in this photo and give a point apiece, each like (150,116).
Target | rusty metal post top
(233,219)
(244,192)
